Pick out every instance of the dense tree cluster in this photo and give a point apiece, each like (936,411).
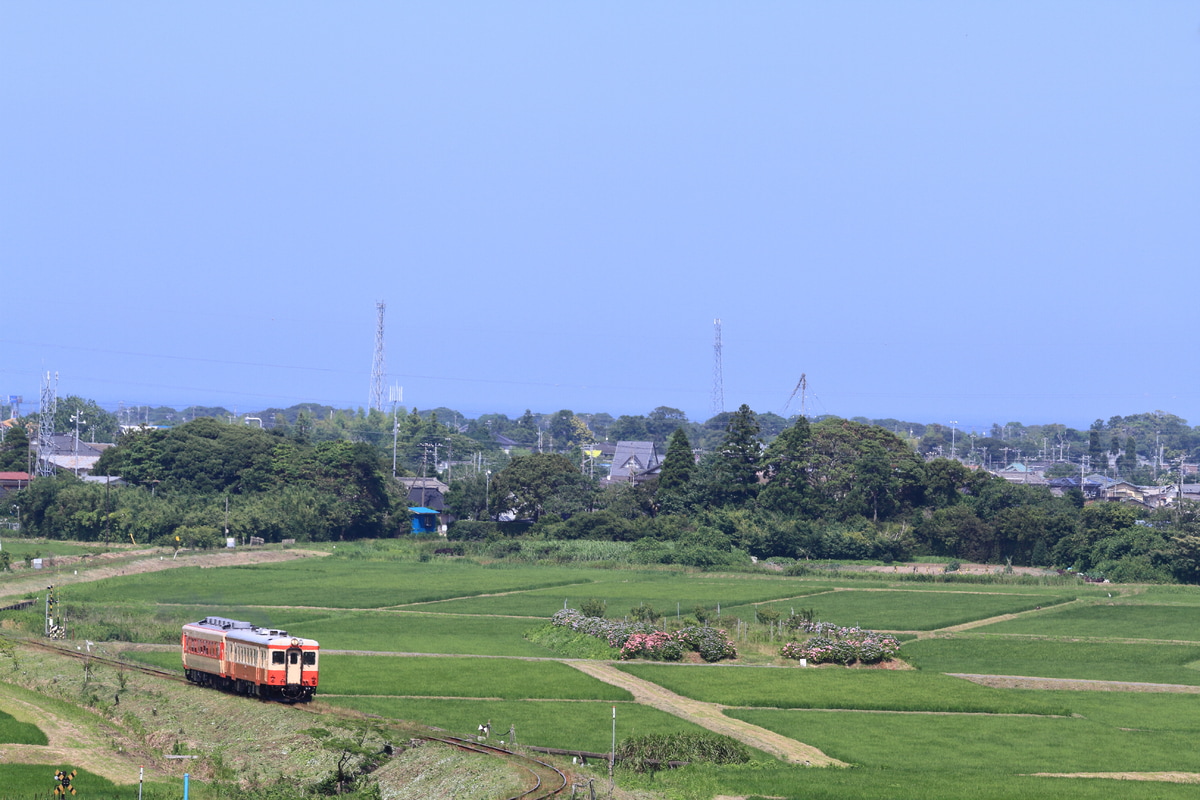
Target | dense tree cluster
(191,483)
(737,485)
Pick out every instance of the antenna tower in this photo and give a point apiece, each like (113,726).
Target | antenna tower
(718,394)
(801,389)
(46,411)
(377,365)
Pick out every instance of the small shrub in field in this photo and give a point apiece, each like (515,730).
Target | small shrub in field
(644,612)
(593,607)
(766,614)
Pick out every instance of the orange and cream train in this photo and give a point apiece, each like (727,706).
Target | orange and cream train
(237,656)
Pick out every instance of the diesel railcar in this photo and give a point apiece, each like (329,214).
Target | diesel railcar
(240,657)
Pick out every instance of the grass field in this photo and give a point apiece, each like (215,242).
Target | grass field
(1006,744)
(564,725)
(1101,661)
(666,592)
(1118,621)
(328,583)
(836,688)
(909,734)
(14,732)
(891,610)
(893,783)
(499,678)
(28,781)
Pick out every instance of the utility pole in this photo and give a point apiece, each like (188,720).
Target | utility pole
(395,395)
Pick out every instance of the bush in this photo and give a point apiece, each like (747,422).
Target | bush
(593,607)
(644,612)
(832,644)
(648,753)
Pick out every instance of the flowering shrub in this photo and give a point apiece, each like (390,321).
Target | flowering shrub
(711,643)
(641,639)
(659,645)
(833,644)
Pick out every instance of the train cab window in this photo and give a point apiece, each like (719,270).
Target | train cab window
(310,659)
(293,657)
(277,657)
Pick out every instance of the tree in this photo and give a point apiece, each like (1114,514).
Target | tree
(627,428)
(734,479)
(662,421)
(678,467)
(96,424)
(785,467)
(14,451)
(534,484)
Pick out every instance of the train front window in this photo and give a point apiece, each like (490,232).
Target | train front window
(277,657)
(293,657)
(310,659)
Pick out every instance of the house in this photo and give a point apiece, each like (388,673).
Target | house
(11,482)
(631,459)
(73,455)
(426,492)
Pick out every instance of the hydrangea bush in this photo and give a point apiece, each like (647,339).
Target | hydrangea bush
(643,640)
(835,644)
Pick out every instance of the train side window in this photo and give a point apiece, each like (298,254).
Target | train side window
(277,657)
(310,659)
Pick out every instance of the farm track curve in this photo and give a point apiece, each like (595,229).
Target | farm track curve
(707,715)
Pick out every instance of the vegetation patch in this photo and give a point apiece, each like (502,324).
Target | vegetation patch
(569,644)
(655,751)
(14,732)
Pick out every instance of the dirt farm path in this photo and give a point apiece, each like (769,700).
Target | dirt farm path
(707,715)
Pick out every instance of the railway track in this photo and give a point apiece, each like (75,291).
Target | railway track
(548,780)
(545,780)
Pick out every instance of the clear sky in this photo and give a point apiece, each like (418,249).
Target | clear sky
(970,211)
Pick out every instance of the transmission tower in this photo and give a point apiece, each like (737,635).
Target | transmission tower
(801,389)
(377,365)
(718,394)
(45,444)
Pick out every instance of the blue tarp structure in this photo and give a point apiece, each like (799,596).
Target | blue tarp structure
(424,520)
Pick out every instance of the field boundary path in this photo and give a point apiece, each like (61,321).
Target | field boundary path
(707,715)
(1072,684)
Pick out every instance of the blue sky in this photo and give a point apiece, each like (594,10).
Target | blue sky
(936,211)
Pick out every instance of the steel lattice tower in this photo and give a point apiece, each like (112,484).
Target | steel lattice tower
(46,412)
(718,394)
(377,366)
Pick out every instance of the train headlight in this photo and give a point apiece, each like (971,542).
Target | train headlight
(295,642)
